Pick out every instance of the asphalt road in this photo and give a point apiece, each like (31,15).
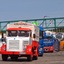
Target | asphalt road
(47,58)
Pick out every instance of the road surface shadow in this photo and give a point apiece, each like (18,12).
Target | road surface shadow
(18,60)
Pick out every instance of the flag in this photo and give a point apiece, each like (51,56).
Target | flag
(35,23)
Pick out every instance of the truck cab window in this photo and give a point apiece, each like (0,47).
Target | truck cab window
(49,38)
(12,33)
(24,33)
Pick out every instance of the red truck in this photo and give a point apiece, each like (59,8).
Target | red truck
(21,41)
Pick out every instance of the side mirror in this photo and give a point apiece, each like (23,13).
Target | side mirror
(34,35)
(2,39)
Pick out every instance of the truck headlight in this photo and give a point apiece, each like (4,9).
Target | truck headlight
(3,42)
(40,49)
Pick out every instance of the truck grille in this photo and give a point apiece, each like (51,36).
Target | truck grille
(14,44)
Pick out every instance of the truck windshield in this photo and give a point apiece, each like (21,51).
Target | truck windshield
(20,33)
(47,40)
(23,33)
(12,33)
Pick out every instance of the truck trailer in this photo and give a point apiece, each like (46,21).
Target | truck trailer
(21,41)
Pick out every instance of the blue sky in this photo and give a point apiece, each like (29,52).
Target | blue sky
(30,9)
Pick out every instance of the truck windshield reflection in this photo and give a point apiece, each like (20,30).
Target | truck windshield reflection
(21,33)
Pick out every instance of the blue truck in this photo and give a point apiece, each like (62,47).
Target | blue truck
(40,48)
(48,42)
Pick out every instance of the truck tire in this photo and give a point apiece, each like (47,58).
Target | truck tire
(35,57)
(40,55)
(29,58)
(4,57)
(14,58)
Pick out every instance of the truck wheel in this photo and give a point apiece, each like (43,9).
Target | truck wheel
(40,55)
(4,57)
(14,58)
(35,57)
(29,58)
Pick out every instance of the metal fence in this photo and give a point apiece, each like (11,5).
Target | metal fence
(53,24)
